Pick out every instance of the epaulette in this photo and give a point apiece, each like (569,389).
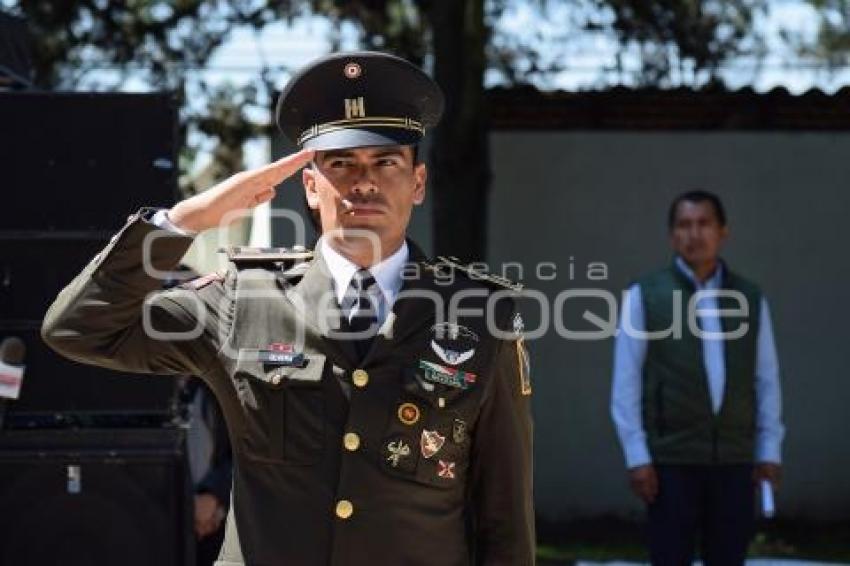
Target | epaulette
(297,270)
(445,264)
(242,254)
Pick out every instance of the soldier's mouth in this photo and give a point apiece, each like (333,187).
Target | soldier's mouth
(361,209)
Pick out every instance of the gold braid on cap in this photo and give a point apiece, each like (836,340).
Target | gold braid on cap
(370,122)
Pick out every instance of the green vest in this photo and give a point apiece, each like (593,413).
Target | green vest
(680,424)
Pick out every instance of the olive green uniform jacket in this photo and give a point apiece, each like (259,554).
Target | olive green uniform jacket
(334,460)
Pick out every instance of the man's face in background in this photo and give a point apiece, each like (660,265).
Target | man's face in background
(697,234)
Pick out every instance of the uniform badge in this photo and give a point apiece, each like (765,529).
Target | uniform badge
(453,343)
(459,431)
(435,373)
(446,469)
(352,70)
(431,442)
(523,359)
(204,280)
(397,455)
(408,414)
(518,324)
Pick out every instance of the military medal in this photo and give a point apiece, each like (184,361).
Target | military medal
(454,344)
(436,373)
(408,413)
(431,442)
(459,431)
(397,450)
(446,469)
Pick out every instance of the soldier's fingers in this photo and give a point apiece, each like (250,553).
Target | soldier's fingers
(264,196)
(286,166)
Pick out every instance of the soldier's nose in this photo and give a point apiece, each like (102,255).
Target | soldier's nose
(364,187)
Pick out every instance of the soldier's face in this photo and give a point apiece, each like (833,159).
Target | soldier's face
(371,188)
(696,234)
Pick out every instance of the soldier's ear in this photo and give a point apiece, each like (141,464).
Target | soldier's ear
(308,179)
(420,180)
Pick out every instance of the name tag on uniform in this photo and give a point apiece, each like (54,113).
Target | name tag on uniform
(452,377)
(272,357)
(275,355)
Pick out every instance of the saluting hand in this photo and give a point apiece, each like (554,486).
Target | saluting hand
(242,191)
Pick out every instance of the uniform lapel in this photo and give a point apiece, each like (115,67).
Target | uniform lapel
(314,302)
(413,309)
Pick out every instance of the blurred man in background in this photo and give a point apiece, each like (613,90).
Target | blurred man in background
(696,402)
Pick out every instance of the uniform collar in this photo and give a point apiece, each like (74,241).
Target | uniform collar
(387,272)
(713,282)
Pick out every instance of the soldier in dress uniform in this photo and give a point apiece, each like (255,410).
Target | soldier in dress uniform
(373,420)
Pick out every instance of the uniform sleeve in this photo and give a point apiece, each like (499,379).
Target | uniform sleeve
(115,315)
(501,479)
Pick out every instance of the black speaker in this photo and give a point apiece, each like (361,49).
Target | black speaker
(74,166)
(57,392)
(84,161)
(95,498)
(34,270)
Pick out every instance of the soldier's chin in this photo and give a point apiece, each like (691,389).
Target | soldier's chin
(366,222)
(360,233)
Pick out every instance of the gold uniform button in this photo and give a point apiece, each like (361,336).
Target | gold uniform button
(344,509)
(360,377)
(351,441)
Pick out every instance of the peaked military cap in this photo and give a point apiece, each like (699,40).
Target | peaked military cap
(358,99)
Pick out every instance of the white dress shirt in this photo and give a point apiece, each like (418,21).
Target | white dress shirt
(387,274)
(630,354)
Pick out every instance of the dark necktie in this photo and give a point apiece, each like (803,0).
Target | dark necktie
(362,313)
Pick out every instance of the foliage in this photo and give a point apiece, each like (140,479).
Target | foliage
(163,44)
(683,37)
(832,44)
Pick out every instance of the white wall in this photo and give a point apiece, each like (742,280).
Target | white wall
(603,196)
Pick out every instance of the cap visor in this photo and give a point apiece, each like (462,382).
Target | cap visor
(351,137)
